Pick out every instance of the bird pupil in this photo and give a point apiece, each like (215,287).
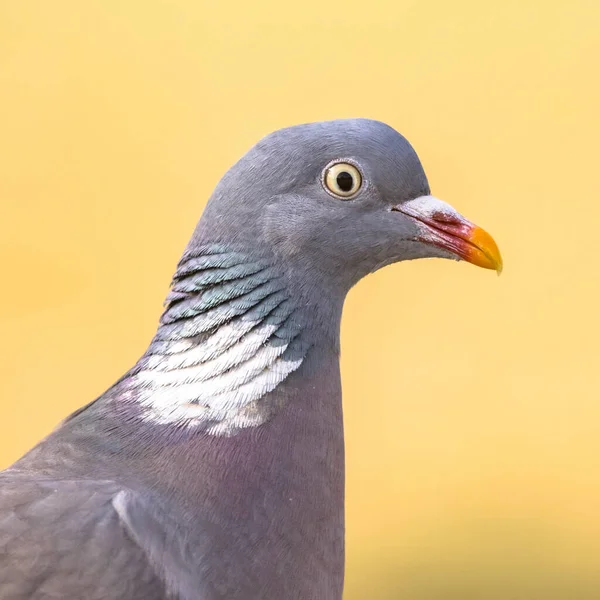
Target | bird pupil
(345,181)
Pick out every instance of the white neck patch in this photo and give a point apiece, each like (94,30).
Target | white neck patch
(230,334)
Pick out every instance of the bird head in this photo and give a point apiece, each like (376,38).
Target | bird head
(342,198)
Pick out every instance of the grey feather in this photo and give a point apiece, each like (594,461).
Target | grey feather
(63,539)
(214,468)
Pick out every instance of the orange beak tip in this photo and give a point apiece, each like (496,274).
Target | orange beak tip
(485,252)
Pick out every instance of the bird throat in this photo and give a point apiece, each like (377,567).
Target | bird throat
(231,333)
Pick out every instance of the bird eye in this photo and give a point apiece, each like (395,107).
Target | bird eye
(342,180)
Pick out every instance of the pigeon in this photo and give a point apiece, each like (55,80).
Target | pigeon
(214,468)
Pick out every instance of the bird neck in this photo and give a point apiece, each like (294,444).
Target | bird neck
(234,329)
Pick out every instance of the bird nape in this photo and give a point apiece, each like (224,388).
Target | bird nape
(214,468)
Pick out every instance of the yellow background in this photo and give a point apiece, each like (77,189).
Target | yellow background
(472,404)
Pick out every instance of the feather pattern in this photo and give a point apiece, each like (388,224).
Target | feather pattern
(229,335)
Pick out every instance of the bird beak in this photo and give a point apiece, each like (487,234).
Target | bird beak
(442,226)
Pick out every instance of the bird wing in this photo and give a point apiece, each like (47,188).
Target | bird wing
(182,562)
(66,539)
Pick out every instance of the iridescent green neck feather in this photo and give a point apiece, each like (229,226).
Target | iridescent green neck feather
(230,334)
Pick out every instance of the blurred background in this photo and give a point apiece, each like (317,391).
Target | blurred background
(471,402)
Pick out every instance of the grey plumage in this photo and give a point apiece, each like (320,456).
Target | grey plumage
(50,534)
(214,468)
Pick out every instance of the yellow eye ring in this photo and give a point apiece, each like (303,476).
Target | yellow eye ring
(342,180)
